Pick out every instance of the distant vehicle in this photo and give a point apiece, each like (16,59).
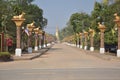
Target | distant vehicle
(111,48)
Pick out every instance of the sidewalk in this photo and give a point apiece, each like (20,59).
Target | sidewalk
(105,56)
(30,56)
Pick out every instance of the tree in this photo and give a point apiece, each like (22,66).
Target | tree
(79,21)
(10,8)
(103,13)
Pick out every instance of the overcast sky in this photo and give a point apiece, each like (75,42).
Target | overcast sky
(58,12)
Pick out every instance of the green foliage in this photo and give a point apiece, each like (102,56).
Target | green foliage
(107,17)
(103,13)
(79,21)
(5,56)
(110,38)
(10,8)
(34,13)
(67,31)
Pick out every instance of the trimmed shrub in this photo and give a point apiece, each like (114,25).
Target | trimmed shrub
(5,56)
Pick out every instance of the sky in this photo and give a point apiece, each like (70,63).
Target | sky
(58,12)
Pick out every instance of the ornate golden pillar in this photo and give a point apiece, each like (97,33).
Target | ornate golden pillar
(30,29)
(77,40)
(102,30)
(18,21)
(91,31)
(85,35)
(80,40)
(40,36)
(36,30)
(117,21)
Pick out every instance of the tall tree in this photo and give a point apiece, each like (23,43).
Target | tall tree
(80,21)
(10,8)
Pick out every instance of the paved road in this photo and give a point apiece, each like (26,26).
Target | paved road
(61,62)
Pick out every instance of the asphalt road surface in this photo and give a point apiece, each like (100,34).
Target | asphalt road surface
(61,62)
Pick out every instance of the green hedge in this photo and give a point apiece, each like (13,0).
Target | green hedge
(5,56)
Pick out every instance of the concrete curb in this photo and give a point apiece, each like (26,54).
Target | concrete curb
(32,55)
(41,53)
(105,56)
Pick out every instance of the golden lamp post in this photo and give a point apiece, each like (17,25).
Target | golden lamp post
(77,40)
(102,30)
(85,35)
(80,40)
(18,21)
(36,30)
(40,35)
(30,29)
(42,39)
(117,21)
(91,31)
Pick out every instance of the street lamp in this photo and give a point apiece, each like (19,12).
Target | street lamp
(18,21)
(40,36)
(80,40)
(77,40)
(85,35)
(30,29)
(42,39)
(22,41)
(36,30)
(102,30)
(117,21)
(91,31)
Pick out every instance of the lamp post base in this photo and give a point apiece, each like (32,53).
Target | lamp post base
(40,47)
(102,50)
(36,48)
(80,46)
(29,49)
(85,48)
(91,48)
(18,52)
(48,44)
(74,45)
(44,46)
(118,53)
